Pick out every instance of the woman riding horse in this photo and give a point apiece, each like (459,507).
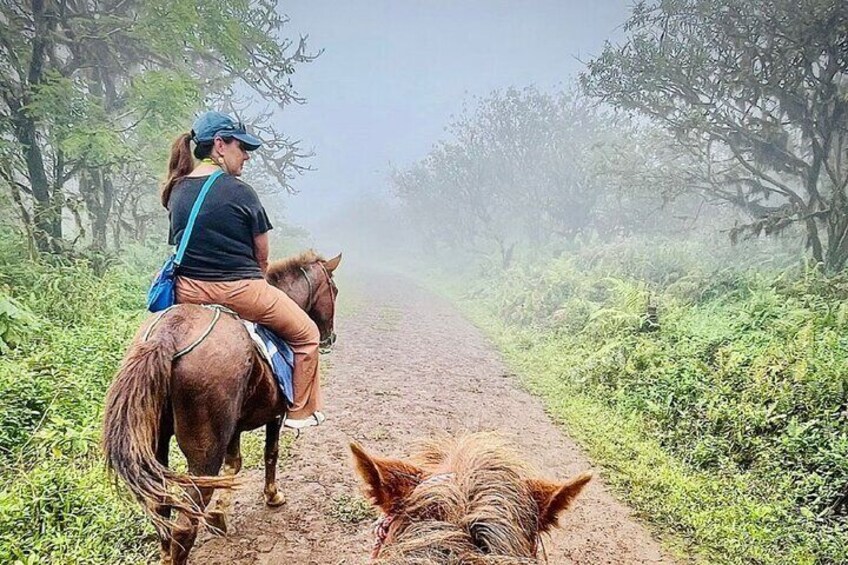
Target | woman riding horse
(226,262)
(192,371)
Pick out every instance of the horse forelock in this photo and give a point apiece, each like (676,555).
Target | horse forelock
(485,514)
(279,270)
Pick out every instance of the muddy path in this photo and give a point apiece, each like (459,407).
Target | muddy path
(407,364)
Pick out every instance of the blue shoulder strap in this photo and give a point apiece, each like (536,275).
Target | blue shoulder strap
(194,210)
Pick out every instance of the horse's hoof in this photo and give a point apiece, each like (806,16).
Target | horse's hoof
(277,499)
(217,522)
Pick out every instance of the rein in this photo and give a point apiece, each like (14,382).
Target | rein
(312,296)
(310,292)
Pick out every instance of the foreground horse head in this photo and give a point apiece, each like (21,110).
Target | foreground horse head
(466,500)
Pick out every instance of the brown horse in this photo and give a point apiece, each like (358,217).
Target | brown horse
(461,501)
(205,397)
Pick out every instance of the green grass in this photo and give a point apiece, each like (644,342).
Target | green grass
(349,509)
(56,503)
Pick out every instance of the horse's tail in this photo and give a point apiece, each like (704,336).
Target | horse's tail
(132,417)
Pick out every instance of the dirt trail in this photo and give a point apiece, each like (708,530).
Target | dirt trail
(407,365)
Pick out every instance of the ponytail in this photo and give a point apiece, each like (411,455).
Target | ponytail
(179,165)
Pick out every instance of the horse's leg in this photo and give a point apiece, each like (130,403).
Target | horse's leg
(204,444)
(232,465)
(163,509)
(184,532)
(272,451)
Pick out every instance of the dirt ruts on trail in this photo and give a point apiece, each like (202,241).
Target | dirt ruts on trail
(406,365)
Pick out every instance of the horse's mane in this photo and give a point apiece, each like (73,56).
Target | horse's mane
(278,270)
(486,503)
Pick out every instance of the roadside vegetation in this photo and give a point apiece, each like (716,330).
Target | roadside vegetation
(65,324)
(724,425)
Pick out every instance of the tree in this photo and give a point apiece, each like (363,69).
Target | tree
(757,91)
(530,169)
(90,91)
(469,192)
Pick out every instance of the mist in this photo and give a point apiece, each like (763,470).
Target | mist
(393,74)
(395,81)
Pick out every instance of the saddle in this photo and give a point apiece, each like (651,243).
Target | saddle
(277,353)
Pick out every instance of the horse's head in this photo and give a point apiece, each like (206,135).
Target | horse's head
(308,280)
(467,499)
(321,304)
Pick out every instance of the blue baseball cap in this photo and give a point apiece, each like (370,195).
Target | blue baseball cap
(210,125)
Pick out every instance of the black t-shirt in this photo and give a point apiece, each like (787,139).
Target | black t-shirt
(220,247)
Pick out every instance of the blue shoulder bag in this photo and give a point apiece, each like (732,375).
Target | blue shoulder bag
(161,293)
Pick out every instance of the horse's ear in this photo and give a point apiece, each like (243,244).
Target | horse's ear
(553,498)
(333,263)
(387,481)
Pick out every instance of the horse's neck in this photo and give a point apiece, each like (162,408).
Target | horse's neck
(292,289)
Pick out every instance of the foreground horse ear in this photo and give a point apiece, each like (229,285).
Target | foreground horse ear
(387,481)
(553,498)
(333,263)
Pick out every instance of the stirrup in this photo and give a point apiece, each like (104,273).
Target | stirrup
(316,419)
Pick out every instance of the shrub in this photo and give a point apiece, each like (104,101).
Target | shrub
(16,323)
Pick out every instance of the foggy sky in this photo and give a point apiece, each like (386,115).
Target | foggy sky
(393,72)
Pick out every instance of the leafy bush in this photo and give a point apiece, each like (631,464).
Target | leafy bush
(56,503)
(16,323)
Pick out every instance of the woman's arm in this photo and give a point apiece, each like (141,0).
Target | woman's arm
(260,250)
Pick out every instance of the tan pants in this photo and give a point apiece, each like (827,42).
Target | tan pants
(258,301)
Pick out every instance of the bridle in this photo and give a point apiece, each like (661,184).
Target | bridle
(312,296)
(310,292)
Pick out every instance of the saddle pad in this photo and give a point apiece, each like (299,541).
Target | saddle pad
(277,353)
